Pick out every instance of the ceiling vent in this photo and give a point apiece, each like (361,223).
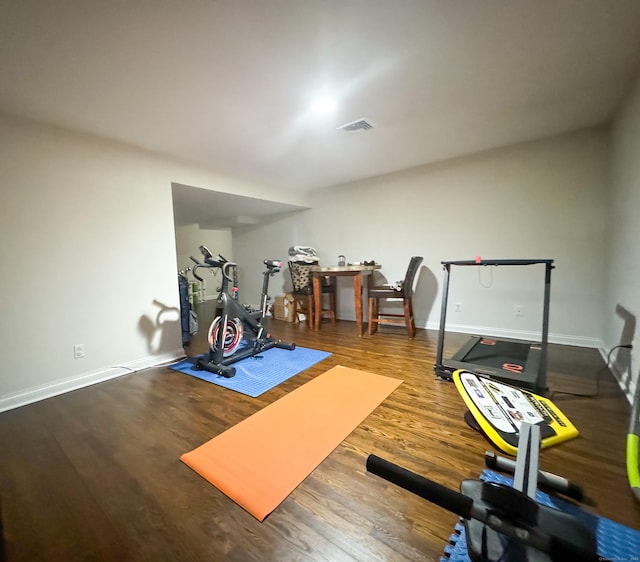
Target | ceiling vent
(359,125)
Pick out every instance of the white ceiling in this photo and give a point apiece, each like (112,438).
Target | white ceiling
(228,83)
(214,209)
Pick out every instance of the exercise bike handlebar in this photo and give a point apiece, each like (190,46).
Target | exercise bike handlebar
(225,266)
(556,547)
(273,266)
(221,263)
(194,271)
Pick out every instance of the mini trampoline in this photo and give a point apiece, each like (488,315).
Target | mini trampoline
(515,362)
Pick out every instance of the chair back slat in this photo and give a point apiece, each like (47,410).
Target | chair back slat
(407,284)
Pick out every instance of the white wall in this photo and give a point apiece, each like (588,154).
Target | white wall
(545,199)
(622,303)
(88,251)
(268,240)
(88,245)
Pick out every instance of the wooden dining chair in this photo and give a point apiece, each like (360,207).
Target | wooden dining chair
(402,290)
(303,291)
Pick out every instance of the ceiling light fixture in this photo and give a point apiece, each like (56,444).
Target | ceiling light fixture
(324,105)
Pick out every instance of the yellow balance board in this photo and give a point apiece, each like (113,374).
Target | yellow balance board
(499,409)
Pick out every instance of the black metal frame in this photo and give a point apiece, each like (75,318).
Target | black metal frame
(534,377)
(503,522)
(258,340)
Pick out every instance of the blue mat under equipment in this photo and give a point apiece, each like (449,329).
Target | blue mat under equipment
(615,541)
(255,375)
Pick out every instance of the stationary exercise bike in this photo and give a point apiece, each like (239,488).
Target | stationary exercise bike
(237,332)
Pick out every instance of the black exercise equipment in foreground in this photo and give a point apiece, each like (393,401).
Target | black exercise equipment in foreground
(238,332)
(504,523)
(515,362)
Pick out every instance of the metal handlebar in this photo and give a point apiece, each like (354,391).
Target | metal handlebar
(222,263)
(194,271)
(225,267)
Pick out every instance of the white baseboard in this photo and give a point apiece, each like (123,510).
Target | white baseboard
(625,380)
(37,393)
(563,339)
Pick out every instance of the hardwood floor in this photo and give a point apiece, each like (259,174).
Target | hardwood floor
(95,474)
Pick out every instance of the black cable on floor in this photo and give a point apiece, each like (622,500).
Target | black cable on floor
(606,367)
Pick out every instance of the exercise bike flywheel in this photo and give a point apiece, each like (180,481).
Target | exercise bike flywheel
(232,336)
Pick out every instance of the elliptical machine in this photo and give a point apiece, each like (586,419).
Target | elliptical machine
(237,332)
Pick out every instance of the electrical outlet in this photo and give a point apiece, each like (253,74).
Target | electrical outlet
(458,307)
(519,310)
(78,351)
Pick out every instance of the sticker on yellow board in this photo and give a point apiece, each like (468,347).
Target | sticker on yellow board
(499,409)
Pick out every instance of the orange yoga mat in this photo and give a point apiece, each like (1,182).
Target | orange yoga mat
(261,460)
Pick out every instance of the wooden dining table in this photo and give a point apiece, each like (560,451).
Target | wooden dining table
(357,272)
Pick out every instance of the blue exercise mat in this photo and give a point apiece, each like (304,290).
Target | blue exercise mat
(255,375)
(615,541)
